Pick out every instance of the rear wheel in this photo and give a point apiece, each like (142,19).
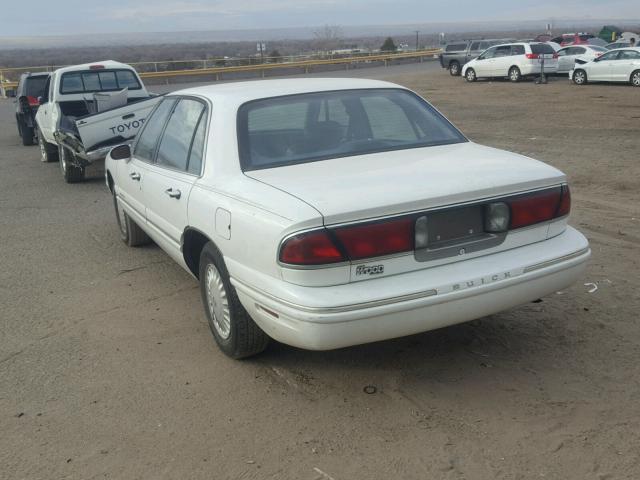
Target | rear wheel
(235,332)
(514,74)
(470,75)
(27,135)
(454,69)
(635,78)
(130,232)
(70,172)
(48,152)
(580,77)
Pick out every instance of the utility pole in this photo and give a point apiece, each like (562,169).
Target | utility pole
(417,33)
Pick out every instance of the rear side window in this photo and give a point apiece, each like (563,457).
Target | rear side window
(456,47)
(177,138)
(609,56)
(517,50)
(629,55)
(98,81)
(148,140)
(542,48)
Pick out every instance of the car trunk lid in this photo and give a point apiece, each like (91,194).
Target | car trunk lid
(390,183)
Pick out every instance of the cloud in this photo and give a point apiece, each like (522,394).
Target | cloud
(224,8)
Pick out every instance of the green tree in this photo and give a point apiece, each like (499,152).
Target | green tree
(388,45)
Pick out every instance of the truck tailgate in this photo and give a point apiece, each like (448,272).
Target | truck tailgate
(118,123)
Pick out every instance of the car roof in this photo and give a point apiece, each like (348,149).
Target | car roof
(635,49)
(241,92)
(35,74)
(87,66)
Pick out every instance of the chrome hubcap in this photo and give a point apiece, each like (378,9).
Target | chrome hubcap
(471,75)
(63,161)
(636,79)
(579,77)
(43,150)
(514,75)
(122,219)
(218,301)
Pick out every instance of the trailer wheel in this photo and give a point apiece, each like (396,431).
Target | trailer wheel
(48,152)
(70,172)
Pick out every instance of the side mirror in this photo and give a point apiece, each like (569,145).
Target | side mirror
(121,152)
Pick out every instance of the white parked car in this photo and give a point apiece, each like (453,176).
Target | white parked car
(325,213)
(568,55)
(513,60)
(621,65)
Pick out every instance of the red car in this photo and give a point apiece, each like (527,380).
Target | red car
(573,39)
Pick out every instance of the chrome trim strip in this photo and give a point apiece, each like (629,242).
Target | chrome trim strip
(340,308)
(548,263)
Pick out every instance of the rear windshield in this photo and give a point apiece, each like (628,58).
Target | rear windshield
(456,47)
(98,81)
(34,86)
(597,48)
(317,126)
(542,48)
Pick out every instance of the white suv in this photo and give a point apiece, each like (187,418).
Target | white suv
(513,60)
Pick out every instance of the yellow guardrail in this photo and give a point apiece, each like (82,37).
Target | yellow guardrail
(273,64)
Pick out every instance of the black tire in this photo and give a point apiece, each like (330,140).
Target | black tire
(580,77)
(48,152)
(635,78)
(454,69)
(70,172)
(27,135)
(470,75)
(244,337)
(130,232)
(515,75)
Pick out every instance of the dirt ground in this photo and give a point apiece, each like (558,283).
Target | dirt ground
(108,370)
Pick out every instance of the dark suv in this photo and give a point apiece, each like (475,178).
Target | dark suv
(30,87)
(456,54)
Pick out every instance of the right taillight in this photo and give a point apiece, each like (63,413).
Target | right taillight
(532,56)
(539,207)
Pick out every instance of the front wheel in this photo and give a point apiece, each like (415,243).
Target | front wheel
(580,77)
(70,172)
(235,332)
(470,75)
(454,69)
(48,152)
(635,78)
(514,74)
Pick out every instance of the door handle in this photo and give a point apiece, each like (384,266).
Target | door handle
(135,176)
(173,193)
(130,115)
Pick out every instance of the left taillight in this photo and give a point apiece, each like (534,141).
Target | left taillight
(33,101)
(310,248)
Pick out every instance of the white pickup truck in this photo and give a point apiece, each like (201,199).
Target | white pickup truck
(88,109)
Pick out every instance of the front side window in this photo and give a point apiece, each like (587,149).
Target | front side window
(175,145)
(609,56)
(148,139)
(310,127)
(98,81)
(503,51)
(563,52)
(488,54)
(475,46)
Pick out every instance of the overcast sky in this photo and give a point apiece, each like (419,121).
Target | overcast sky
(53,17)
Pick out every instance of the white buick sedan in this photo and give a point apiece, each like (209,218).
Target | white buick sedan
(325,213)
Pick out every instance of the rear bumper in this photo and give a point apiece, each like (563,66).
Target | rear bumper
(323,318)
